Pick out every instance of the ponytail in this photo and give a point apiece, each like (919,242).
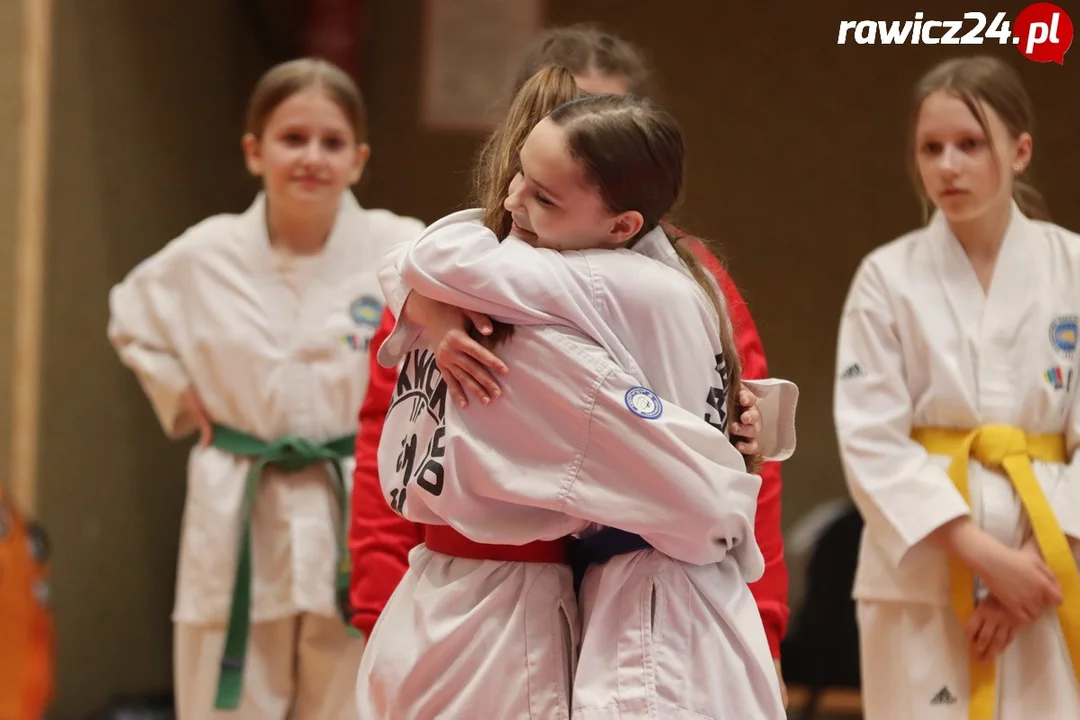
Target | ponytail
(733,363)
(1029,200)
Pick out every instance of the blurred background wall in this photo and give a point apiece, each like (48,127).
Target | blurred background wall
(796,161)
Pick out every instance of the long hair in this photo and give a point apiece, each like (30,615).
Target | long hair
(499,160)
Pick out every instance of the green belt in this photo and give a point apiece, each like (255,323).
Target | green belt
(290,454)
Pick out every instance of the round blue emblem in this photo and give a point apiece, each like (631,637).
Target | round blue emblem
(1063,334)
(644,403)
(366,310)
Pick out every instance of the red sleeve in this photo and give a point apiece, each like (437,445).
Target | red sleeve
(379,538)
(771,591)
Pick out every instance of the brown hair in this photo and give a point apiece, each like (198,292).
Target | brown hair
(282,81)
(630,148)
(975,81)
(499,160)
(585,49)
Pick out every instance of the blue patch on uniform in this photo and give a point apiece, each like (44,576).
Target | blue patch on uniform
(1064,332)
(644,403)
(366,310)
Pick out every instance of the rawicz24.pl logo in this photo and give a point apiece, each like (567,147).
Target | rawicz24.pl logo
(1042,32)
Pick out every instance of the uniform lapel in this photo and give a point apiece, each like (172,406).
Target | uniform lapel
(987,322)
(965,303)
(1009,298)
(349,228)
(255,238)
(963,291)
(1011,308)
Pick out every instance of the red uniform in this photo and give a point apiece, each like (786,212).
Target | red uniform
(379,538)
(27,647)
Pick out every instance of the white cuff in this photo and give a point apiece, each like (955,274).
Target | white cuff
(777,401)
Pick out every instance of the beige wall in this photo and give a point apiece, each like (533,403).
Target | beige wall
(147,107)
(795,161)
(10,107)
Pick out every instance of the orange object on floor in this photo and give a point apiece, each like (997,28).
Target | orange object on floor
(27,651)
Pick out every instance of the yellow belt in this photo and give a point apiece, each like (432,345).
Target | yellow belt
(1009,449)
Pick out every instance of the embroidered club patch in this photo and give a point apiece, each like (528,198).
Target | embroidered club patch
(366,310)
(644,403)
(1063,334)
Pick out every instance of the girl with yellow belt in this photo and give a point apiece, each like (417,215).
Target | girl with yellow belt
(957,415)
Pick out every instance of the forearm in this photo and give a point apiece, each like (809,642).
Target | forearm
(460,262)
(411,317)
(420,310)
(966,541)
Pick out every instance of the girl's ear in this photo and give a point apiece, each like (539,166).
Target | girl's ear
(363,154)
(252,154)
(624,227)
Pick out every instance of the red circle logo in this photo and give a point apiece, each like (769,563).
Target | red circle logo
(1043,33)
